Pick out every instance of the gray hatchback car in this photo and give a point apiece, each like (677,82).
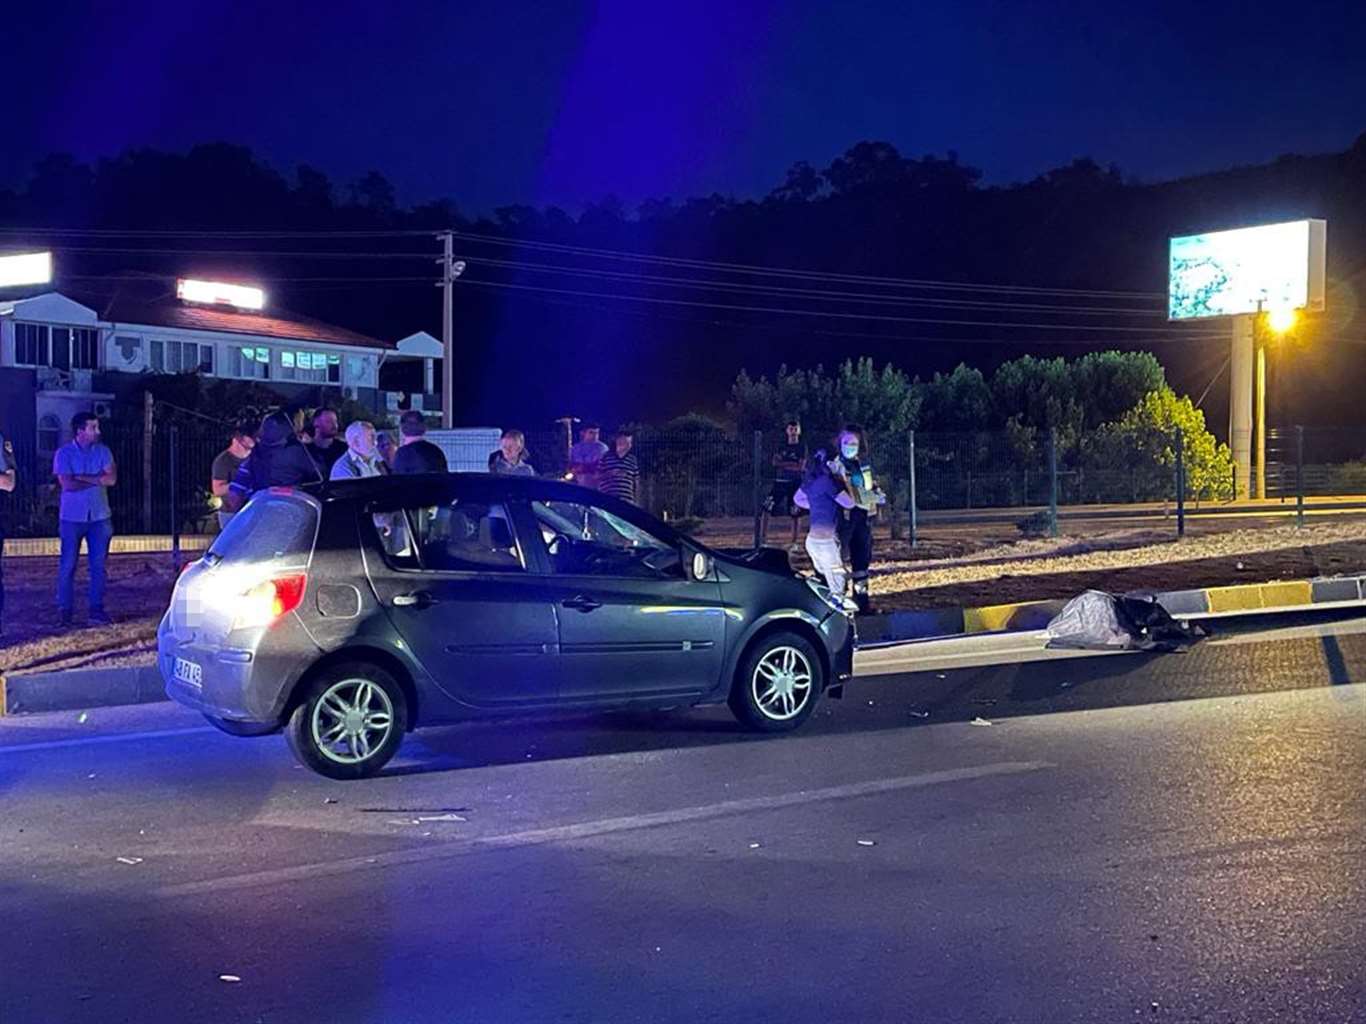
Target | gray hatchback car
(351,613)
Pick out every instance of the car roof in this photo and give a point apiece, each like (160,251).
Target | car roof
(418,486)
(394,484)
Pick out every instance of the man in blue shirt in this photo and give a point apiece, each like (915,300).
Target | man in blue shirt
(85,469)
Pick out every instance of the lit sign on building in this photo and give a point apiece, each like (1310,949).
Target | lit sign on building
(219,293)
(25,268)
(1225,273)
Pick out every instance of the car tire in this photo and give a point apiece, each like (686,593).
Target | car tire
(350,722)
(778,685)
(232,728)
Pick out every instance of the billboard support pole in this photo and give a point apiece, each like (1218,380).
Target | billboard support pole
(1240,401)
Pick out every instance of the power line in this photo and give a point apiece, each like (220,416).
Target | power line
(583,251)
(818,313)
(743,268)
(725,286)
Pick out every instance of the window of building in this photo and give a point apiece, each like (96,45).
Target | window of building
(310,366)
(49,434)
(64,348)
(31,345)
(251,362)
(180,357)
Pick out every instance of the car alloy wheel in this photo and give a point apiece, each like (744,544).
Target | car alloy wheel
(782,683)
(351,721)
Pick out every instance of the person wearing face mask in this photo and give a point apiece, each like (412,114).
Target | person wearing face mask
(854,466)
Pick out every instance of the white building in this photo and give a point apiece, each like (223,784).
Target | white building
(63,351)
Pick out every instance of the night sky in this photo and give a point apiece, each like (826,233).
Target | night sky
(566,102)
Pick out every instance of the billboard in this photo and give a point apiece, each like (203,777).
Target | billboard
(1224,273)
(220,293)
(25,268)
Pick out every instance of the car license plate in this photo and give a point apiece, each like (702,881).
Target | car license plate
(189,672)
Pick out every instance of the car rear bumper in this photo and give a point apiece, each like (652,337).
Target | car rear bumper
(237,683)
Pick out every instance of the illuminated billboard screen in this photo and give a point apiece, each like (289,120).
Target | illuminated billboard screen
(25,268)
(220,293)
(1223,273)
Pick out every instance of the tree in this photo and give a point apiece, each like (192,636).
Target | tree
(1144,440)
(884,402)
(956,401)
(1109,384)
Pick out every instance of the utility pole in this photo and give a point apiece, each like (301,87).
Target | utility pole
(451,268)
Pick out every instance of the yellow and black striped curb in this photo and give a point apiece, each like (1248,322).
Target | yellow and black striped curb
(133,544)
(1204,602)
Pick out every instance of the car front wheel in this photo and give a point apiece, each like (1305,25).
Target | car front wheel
(350,723)
(778,685)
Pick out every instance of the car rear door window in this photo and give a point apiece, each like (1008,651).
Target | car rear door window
(452,536)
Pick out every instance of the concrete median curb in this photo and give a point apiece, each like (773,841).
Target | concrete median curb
(80,689)
(93,688)
(1278,596)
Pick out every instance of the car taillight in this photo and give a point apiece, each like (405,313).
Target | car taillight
(270,599)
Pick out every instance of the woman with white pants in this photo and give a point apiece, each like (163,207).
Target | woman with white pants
(824,494)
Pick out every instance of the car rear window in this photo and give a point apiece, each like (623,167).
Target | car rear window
(271,528)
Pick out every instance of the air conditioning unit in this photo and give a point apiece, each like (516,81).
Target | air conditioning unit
(103,409)
(349,392)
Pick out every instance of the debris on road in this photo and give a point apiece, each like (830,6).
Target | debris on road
(920,714)
(231,979)
(82,718)
(442,817)
(129,860)
(754,846)
(330,800)
(979,720)
(867,842)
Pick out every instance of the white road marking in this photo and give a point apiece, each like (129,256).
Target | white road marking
(84,741)
(592,829)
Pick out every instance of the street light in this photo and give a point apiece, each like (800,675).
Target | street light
(1281,319)
(1275,323)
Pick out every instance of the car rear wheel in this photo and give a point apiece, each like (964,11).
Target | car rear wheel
(778,685)
(232,728)
(350,723)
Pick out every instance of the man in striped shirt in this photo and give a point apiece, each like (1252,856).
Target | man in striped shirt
(619,470)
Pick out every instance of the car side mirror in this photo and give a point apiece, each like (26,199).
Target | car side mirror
(701,566)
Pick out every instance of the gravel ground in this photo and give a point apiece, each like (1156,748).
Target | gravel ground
(952,566)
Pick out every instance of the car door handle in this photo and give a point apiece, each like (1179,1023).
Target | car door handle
(580,603)
(421,599)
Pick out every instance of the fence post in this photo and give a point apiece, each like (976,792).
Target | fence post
(175,511)
(1052,482)
(1180,484)
(758,499)
(1299,478)
(148,433)
(911,494)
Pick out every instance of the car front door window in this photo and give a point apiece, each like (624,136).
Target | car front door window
(585,540)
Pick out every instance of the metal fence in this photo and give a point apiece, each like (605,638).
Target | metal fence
(702,474)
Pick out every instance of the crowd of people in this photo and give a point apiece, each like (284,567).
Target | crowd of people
(834,487)
(276,453)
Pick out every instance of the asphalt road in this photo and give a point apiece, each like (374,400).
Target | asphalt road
(1175,838)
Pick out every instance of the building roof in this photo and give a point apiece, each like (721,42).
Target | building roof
(420,346)
(270,323)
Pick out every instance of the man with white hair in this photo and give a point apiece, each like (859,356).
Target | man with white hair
(361,458)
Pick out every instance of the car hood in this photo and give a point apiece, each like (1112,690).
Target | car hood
(770,560)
